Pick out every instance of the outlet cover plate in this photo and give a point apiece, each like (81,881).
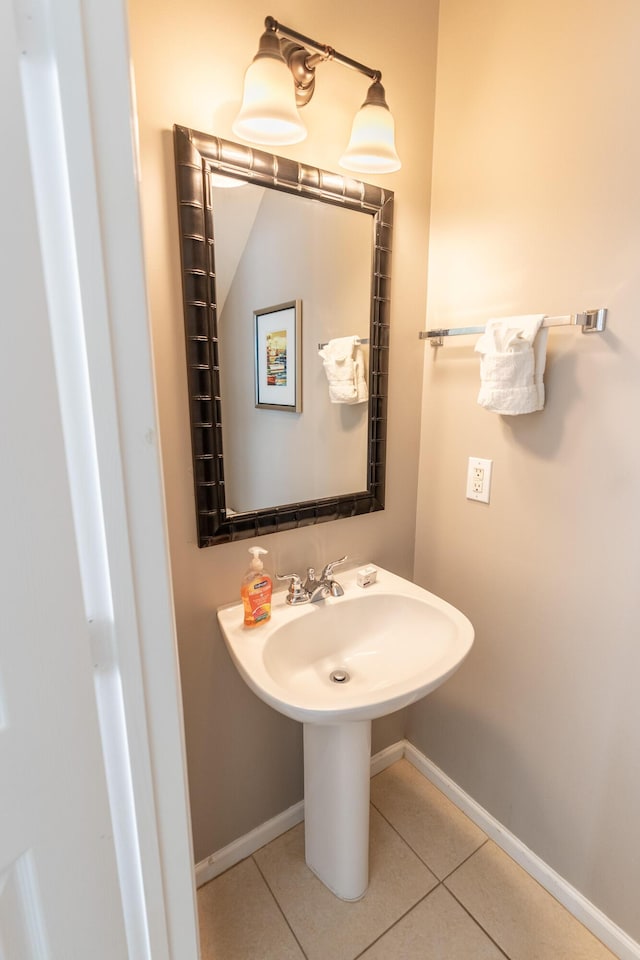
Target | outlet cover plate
(479,479)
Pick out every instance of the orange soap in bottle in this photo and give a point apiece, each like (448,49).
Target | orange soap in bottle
(255,591)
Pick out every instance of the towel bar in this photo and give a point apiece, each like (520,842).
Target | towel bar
(591,321)
(361,339)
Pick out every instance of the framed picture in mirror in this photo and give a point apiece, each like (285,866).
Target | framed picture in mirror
(278,355)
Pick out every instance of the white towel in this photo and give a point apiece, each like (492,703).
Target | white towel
(343,364)
(513,357)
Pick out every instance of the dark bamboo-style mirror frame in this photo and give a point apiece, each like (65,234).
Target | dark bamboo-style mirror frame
(197,157)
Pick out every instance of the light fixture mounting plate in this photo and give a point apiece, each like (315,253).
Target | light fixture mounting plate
(304,75)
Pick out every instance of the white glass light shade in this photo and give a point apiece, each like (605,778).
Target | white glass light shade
(372,145)
(269,114)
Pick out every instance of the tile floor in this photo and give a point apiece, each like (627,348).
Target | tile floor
(439,890)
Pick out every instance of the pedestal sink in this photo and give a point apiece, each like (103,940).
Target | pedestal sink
(336,665)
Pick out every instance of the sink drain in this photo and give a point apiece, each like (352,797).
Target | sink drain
(339,676)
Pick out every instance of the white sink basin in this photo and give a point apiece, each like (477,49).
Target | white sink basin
(396,641)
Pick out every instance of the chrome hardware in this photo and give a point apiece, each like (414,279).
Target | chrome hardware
(317,589)
(362,340)
(321,590)
(314,588)
(591,321)
(296,592)
(326,586)
(339,676)
(311,581)
(328,569)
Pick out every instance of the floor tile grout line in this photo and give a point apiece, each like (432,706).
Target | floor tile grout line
(441,882)
(475,920)
(277,903)
(420,857)
(466,860)
(384,932)
(396,922)
(404,840)
(537,882)
(392,925)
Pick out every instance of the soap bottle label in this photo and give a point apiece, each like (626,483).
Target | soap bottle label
(257,602)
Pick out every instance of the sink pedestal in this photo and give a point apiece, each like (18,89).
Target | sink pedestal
(337,771)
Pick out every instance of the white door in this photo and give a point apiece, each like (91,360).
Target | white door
(59,891)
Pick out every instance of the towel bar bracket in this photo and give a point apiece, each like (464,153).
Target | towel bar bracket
(592,321)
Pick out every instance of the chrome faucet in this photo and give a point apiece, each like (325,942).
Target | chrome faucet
(314,588)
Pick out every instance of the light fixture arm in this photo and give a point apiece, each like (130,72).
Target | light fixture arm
(303,54)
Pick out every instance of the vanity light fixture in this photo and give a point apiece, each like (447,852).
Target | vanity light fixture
(269,112)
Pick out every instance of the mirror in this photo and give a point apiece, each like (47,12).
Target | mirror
(294,258)
(284,246)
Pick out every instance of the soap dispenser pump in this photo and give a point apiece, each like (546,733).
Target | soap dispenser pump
(256,590)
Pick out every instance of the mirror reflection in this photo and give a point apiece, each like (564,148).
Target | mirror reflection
(273,248)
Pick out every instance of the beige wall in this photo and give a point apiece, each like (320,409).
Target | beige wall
(245,761)
(536,208)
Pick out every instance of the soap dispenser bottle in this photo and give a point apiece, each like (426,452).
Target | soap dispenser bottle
(256,591)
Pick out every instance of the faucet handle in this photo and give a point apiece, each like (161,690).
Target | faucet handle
(293,577)
(296,592)
(328,570)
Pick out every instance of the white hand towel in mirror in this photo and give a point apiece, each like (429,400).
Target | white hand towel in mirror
(513,357)
(343,364)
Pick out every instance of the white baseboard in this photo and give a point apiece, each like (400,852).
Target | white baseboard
(244,846)
(380,761)
(582,909)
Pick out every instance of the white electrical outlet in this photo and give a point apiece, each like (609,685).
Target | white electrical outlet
(479,479)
